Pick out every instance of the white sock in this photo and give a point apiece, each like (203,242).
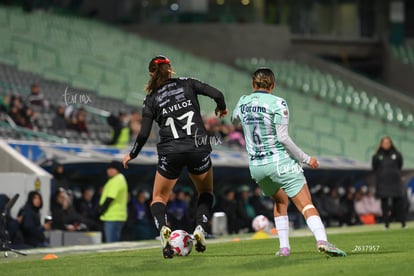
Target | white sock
(282,226)
(316,226)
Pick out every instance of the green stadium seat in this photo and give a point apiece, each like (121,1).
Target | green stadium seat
(91,55)
(408,121)
(332,145)
(323,124)
(344,129)
(307,139)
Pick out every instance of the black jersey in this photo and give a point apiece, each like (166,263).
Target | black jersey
(175,107)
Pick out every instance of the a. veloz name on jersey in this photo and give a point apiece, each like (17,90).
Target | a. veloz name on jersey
(248,108)
(176,107)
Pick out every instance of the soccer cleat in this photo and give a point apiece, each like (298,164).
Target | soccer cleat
(199,237)
(165,234)
(330,249)
(283,252)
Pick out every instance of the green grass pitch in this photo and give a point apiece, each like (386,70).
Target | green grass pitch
(371,251)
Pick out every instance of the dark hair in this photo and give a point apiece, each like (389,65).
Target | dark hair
(4,199)
(115,165)
(263,78)
(31,196)
(379,148)
(160,67)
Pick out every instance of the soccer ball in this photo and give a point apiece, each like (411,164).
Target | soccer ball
(181,242)
(260,223)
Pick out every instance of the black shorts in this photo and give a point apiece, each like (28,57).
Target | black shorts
(171,165)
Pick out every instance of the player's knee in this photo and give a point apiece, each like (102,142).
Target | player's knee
(308,207)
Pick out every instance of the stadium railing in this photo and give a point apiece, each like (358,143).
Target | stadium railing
(29,134)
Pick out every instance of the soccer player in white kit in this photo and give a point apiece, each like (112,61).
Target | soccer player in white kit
(275,160)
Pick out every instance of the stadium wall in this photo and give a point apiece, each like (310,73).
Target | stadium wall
(398,74)
(18,175)
(221,42)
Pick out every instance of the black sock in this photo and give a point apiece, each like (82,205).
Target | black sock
(159,212)
(204,207)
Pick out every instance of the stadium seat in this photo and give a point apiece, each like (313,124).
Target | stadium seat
(92,56)
(332,145)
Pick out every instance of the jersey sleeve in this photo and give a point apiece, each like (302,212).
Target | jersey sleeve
(142,136)
(290,146)
(281,112)
(147,108)
(209,91)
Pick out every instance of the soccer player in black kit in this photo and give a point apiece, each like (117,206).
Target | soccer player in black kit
(173,104)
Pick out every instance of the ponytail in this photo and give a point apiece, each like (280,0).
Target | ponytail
(160,70)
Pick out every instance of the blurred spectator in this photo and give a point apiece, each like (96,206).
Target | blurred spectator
(134,124)
(36,97)
(191,204)
(16,110)
(9,226)
(59,121)
(178,212)
(332,204)
(16,101)
(347,201)
(295,217)
(227,134)
(30,119)
(30,221)
(144,227)
(120,130)
(386,164)
(17,115)
(5,104)
(69,113)
(21,114)
(228,205)
(245,211)
(367,207)
(64,215)
(113,202)
(235,136)
(89,209)
(318,197)
(60,178)
(128,228)
(78,123)
(261,207)
(214,128)
(223,130)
